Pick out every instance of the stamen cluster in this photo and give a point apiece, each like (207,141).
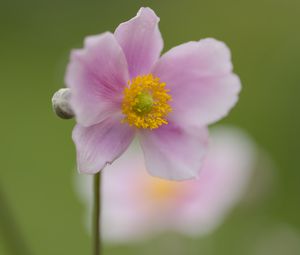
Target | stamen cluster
(146,102)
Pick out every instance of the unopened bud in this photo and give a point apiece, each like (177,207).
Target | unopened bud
(61,103)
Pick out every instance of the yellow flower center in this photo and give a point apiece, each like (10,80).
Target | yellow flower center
(162,189)
(146,102)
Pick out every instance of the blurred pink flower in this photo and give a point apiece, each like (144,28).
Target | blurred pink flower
(136,205)
(120,87)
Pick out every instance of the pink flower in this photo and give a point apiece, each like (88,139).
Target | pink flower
(136,205)
(121,87)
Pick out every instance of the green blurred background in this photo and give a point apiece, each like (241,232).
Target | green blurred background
(38,156)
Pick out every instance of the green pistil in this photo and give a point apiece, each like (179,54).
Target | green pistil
(144,103)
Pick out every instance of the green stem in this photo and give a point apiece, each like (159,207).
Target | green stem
(9,229)
(96,215)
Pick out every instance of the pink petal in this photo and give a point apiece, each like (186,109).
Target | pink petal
(136,205)
(225,176)
(125,215)
(100,144)
(97,75)
(202,84)
(174,153)
(141,41)
(126,212)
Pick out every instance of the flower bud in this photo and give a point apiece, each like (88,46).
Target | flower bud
(61,103)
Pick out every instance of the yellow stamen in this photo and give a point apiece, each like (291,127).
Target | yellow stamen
(161,189)
(146,102)
(164,190)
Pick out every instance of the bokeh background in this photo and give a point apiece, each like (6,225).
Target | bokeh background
(39,209)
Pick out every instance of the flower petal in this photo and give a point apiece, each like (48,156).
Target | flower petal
(174,153)
(199,75)
(100,144)
(141,41)
(227,170)
(96,76)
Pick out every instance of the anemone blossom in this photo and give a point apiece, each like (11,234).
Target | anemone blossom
(136,205)
(121,87)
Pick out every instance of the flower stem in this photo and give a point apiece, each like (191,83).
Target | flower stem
(96,215)
(9,229)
